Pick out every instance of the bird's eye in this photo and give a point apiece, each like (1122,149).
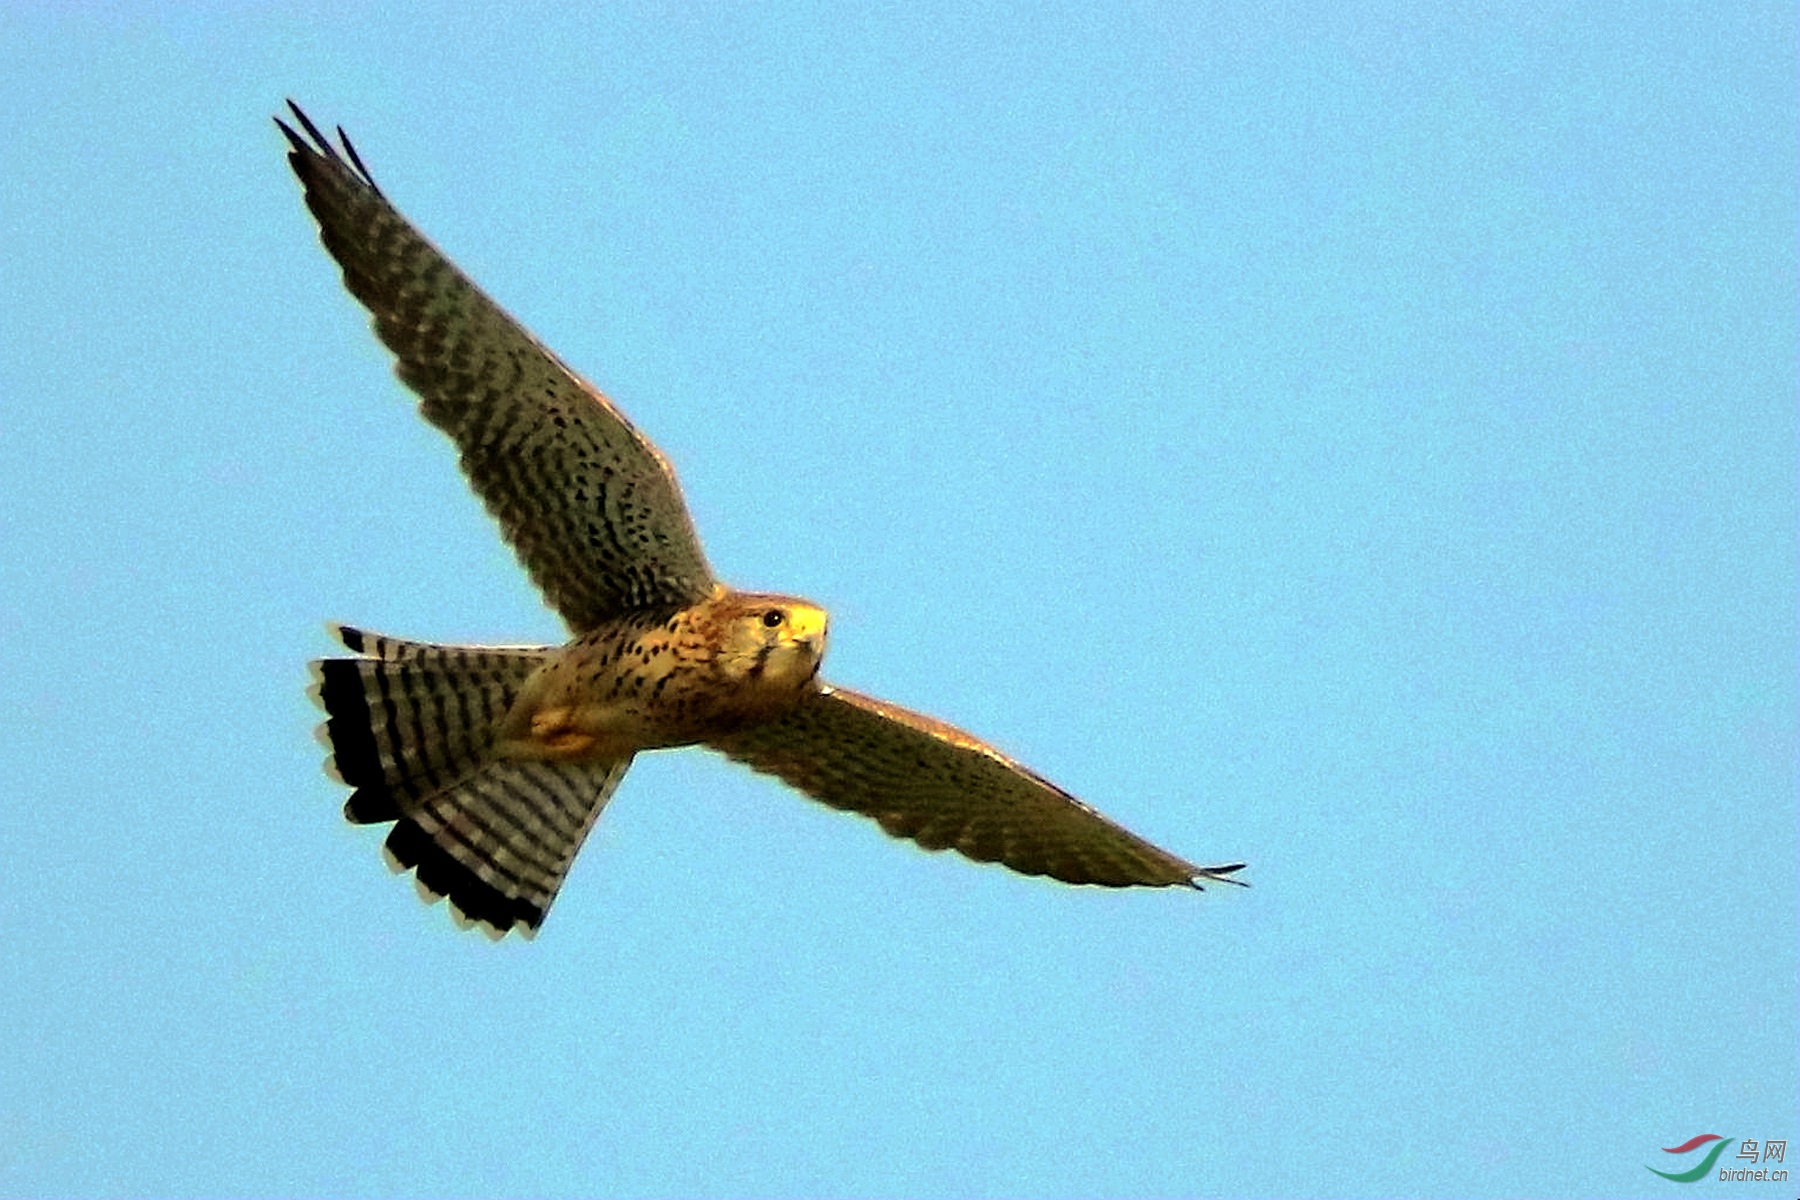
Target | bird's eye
(772,618)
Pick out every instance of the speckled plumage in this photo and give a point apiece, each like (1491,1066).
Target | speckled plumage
(493,763)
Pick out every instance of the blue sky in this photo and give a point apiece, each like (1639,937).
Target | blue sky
(1360,441)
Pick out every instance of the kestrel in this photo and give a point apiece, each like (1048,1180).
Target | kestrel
(493,762)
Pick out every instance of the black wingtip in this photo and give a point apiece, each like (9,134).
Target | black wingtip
(356,159)
(316,145)
(1208,875)
(287,131)
(320,143)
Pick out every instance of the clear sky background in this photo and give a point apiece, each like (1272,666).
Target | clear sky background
(1356,440)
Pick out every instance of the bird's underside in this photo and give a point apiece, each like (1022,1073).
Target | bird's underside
(492,763)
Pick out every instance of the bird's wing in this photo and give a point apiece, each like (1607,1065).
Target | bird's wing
(946,790)
(590,506)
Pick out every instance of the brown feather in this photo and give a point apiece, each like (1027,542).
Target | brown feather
(922,779)
(589,504)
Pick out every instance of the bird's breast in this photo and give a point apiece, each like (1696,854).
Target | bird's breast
(613,692)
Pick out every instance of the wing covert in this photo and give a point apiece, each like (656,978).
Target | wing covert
(588,503)
(946,790)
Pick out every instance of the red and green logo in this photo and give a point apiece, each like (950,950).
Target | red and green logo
(1706,1164)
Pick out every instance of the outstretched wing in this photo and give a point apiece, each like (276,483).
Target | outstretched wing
(588,503)
(928,781)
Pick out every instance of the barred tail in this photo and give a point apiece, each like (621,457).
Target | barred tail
(411,727)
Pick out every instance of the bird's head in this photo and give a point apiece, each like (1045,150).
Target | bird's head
(773,643)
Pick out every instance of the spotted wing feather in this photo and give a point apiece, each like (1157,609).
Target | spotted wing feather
(946,790)
(589,504)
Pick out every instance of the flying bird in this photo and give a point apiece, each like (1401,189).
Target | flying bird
(493,762)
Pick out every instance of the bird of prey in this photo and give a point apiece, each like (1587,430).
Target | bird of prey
(493,763)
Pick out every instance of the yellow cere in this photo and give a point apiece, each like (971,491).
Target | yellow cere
(805,621)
